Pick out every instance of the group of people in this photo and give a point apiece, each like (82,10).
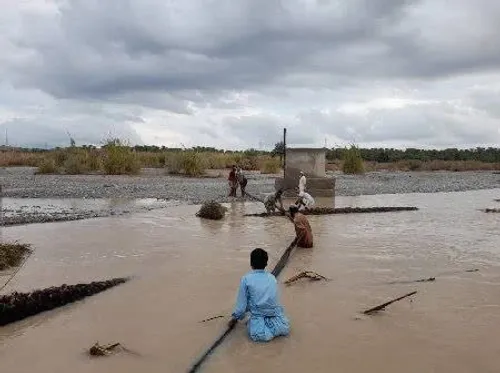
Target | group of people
(258,290)
(304,199)
(237,178)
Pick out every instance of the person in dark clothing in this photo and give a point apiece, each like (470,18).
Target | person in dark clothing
(233,182)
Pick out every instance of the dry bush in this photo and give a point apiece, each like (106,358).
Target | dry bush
(18,158)
(211,210)
(12,254)
(271,166)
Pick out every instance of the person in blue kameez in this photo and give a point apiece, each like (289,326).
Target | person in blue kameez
(258,295)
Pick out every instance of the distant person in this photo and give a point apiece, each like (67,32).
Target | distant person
(306,200)
(258,294)
(233,182)
(272,199)
(242,180)
(302,228)
(302,182)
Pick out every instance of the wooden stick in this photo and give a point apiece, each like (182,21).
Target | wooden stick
(309,274)
(213,318)
(430,279)
(382,306)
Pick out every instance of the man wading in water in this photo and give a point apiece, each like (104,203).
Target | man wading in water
(258,294)
(302,228)
(233,182)
(242,180)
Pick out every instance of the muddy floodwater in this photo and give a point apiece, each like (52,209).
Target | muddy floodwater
(187,269)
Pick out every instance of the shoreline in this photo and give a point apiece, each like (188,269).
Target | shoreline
(21,183)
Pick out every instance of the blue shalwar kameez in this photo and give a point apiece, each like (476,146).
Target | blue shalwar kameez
(258,294)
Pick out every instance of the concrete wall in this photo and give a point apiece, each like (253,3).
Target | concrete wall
(310,160)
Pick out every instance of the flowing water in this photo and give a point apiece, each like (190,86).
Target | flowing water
(187,269)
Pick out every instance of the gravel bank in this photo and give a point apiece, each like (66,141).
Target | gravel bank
(169,190)
(23,183)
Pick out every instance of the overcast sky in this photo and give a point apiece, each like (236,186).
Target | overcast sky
(232,74)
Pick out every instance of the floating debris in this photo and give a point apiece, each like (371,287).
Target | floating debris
(313,276)
(213,318)
(99,350)
(384,305)
(212,210)
(342,210)
(12,254)
(430,279)
(18,306)
(492,210)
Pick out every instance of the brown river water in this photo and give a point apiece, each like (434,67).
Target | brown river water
(187,269)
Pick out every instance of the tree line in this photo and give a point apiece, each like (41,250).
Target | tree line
(380,155)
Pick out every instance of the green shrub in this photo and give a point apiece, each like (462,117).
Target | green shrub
(120,160)
(47,166)
(353,162)
(192,163)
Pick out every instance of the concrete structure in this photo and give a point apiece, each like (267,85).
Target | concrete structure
(312,161)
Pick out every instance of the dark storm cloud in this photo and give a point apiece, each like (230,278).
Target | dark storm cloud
(146,66)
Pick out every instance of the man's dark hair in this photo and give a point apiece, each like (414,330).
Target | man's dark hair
(258,259)
(293,210)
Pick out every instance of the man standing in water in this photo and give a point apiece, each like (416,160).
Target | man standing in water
(302,182)
(302,228)
(242,180)
(258,294)
(233,182)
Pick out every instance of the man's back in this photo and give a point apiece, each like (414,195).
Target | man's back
(303,230)
(258,294)
(262,293)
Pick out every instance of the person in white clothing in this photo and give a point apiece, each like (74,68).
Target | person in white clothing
(302,182)
(306,200)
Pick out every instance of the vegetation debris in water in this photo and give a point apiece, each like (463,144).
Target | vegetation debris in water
(343,210)
(313,276)
(212,210)
(102,350)
(12,254)
(17,306)
(492,210)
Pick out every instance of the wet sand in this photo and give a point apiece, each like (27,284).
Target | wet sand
(188,269)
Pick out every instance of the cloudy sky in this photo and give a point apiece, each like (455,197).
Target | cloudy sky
(232,74)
